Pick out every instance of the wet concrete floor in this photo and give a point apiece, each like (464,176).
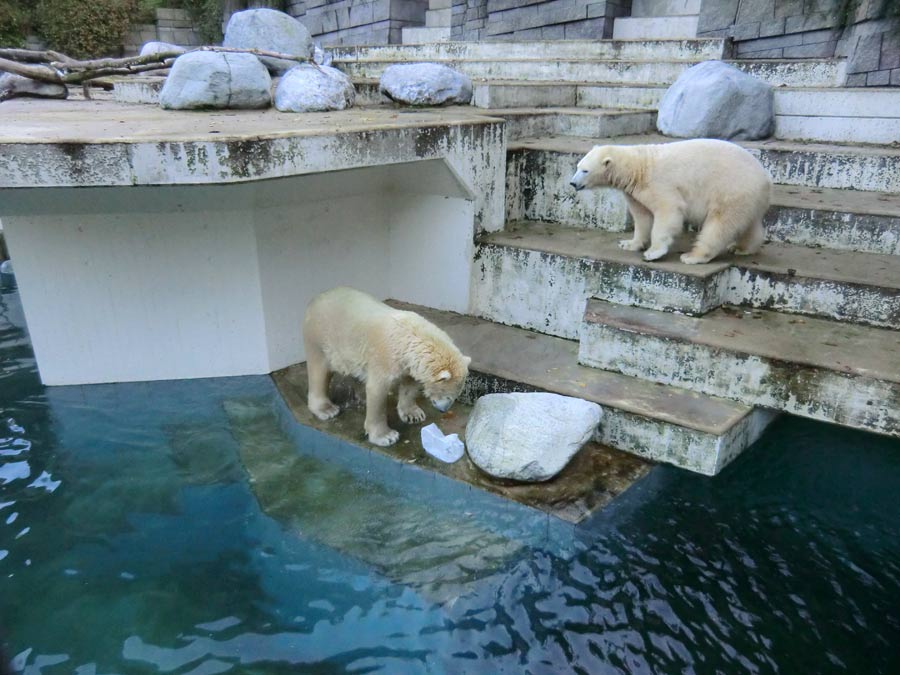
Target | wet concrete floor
(594,477)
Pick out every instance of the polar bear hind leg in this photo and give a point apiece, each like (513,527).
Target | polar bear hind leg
(717,234)
(752,239)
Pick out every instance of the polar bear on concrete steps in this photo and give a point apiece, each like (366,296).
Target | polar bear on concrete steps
(715,184)
(349,332)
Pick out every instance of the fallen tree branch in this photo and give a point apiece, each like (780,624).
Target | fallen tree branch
(55,68)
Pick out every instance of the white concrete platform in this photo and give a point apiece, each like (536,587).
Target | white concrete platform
(161,245)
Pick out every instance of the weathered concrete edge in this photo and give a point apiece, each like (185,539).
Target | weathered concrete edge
(851,400)
(656,440)
(473,149)
(501,264)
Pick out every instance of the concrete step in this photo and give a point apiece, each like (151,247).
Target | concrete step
(537,188)
(525,122)
(796,73)
(825,370)
(843,115)
(416,35)
(665,424)
(655,27)
(438,18)
(665,50)
(539,170)
(641,8)
(538,275)
(517,93)
(847,220)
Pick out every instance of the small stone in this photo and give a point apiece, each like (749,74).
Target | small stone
(308,88)
(216,80)
(12,85)
(425,84)
(529,437)
(716,100)
(160,47)
(269,30)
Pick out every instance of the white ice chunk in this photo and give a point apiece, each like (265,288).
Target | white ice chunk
(445,448)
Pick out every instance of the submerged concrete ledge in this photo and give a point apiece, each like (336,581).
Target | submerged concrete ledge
(594,477)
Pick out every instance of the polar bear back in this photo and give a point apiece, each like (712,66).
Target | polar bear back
(701,176)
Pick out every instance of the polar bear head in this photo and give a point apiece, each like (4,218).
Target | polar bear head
(599,168)
(445,380)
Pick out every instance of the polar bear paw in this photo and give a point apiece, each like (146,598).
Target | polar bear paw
(631,244)
(655,253)
(385,438)
(412,415)
(691,259)
(325,410)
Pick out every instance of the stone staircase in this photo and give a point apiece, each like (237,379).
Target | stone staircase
(689,362)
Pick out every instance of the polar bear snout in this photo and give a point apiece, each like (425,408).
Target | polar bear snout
(578,179)
(442,404)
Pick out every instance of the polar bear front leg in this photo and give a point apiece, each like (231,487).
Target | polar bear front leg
(643,223)
(317,396)
(376,425)
(407,407)
(667,225)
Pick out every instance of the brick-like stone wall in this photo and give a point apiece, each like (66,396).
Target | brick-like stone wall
(775,29)
(349,22)
(172,25)
(542,19)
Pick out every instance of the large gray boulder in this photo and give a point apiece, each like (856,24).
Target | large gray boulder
(12,85)
(309,88)
(425,84)
(528,437)
(216,80)
(270,30)
(716,100)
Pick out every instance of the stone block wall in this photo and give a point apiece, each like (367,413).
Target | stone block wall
(349,22)
(536,19)
(172,25)
(860,30)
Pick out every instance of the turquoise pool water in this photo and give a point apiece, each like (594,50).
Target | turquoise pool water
(193,527)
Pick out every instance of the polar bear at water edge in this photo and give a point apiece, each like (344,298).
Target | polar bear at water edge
(349,332)
(715,184)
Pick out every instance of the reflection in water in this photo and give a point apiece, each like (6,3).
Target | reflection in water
(405,536)
(193,528)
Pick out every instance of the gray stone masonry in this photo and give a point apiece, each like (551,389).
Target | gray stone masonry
(172,25)
(350,22)
(548,19)
(774,29)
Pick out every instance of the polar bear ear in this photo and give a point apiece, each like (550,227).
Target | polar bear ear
(444,375)
(607,161)
(467,360)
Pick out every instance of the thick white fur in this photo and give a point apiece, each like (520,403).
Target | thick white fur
(715,184)
(349,332)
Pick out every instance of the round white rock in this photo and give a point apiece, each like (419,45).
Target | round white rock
(529,436)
